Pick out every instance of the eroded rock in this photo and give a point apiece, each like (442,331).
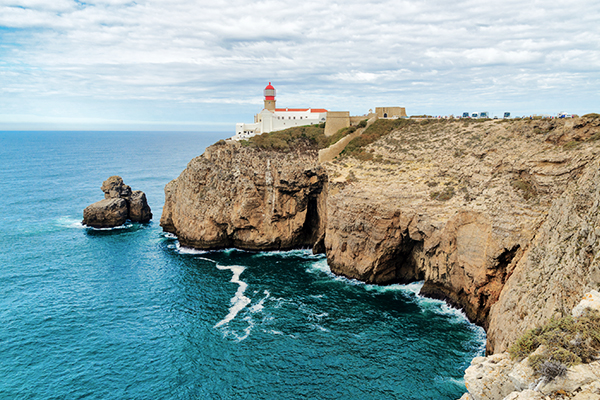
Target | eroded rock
(106,213)
(119,205)
(234,196)
(139,210)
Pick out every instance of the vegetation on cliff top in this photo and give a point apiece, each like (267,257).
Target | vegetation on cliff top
(308,136)
(568,341)
(377,130)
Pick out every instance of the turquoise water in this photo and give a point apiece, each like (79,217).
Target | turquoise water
(128,314)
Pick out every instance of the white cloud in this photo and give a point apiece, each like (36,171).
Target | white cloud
(341,55)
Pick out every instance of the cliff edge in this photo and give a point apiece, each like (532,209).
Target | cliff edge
(498,217)
(236,196)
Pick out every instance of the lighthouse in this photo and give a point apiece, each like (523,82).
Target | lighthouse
(270,97)
(272,119)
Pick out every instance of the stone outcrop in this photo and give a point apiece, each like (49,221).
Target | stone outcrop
(119,205)
(561,263)
(235,196)
(499,218)
(498,377)
(460,205)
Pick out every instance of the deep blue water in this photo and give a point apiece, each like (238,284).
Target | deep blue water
(127,314)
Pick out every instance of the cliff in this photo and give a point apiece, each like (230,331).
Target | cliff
(235,196)
(497,217)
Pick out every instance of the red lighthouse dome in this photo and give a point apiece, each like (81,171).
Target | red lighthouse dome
(269,92)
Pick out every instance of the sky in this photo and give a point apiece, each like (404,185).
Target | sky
(202,65)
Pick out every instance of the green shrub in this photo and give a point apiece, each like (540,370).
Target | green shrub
(362,123)
(308,136)
(568,341)
(527,190)
(443,195)
(571,145)
(377,129)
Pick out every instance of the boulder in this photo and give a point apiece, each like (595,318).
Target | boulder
(590,300)
(114,188)
(527,394)
(139,210)
(577,376)
(487,377)
(106,213)
(119,205)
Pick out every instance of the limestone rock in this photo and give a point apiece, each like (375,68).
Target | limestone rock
(496,377)
(586,396)
(487,377)
(119,205)
(139,210)
(593,387)
(560,264)
(114,188)
(590,300)
(522,375)
(576,377)
(460,220)
(527,394)
(106,213)
(234,196)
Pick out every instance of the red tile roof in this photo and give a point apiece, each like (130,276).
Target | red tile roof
(314,110)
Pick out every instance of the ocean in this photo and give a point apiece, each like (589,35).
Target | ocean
(127,313)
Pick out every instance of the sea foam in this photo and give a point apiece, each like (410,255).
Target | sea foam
(238,301)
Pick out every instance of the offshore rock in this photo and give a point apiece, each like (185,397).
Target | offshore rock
(114,188)
(119,205)
(235,196)
(139,210)
(106,213)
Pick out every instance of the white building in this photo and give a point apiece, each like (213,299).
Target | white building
(272,119)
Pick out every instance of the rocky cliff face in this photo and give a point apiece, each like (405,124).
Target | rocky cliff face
(458,205)
(498,217)
(234,196)
(561,262)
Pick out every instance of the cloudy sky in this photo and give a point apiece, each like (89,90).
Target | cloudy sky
(202,65)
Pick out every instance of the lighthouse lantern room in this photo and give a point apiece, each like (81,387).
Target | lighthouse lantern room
(270,97)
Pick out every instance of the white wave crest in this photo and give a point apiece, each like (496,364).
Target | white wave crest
(411,291)
(260,305)
(305,253)
(114,228)
(239,301)
(188,250)
(69,222)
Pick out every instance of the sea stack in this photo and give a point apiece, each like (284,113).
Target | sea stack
(119,205)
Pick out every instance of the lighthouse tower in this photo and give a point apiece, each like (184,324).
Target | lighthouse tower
(272,119)
(270,97)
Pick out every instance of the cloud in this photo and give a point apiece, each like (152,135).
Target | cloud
(341,55)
